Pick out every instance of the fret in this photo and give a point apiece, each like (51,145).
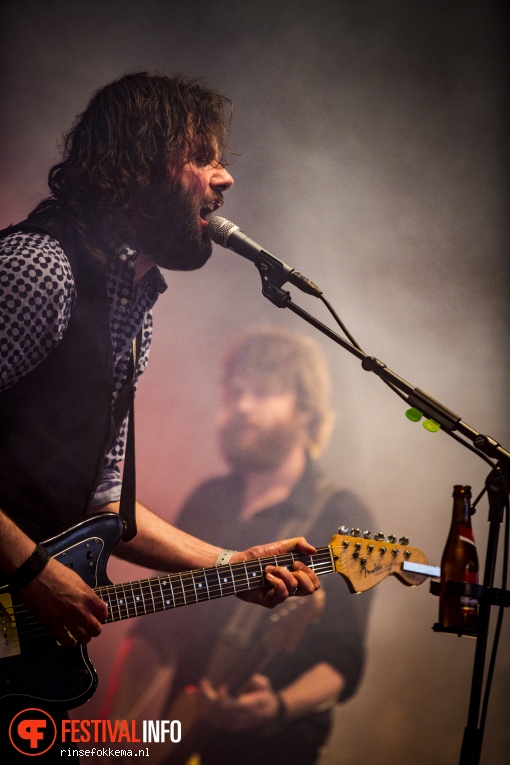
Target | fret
(194,586)
(182,588)
(157,595)
(138,599)
(114,604)
(233,580)
(211,575)
(127,601)
(254,573)
(201,591)
(245,573)
(151,593)
(225,579)
(177,596)
(207,585)
(103,593)
(169,602)
(124,602)
(187,593)
(218,576)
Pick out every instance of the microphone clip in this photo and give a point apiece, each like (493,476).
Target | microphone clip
(273,276)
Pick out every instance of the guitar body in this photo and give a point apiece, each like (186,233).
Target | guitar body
(279,632)
(32,663)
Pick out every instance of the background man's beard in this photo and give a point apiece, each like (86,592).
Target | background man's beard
(168,229)
(257,449)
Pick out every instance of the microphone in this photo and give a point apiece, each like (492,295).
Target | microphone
(227,234)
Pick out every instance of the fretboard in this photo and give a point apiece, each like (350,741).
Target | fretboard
(145,596)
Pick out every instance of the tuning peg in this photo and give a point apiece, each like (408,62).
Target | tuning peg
(355,532)
(367,534)
(379,537)
(392,538)
(404,540)
(343,529)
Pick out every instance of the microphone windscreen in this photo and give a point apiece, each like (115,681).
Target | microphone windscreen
(219,229)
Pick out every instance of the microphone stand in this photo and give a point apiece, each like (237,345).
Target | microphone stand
(497,485)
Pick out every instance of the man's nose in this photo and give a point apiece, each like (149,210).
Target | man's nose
(245,401)
(221,180)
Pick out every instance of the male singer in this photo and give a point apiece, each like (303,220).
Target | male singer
(143,167)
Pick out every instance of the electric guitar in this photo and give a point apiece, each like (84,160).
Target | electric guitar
(278,631)
(34,665)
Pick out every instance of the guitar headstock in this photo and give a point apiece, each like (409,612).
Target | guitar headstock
(364,562)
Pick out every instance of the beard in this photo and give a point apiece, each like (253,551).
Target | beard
(167,228)
(251,447)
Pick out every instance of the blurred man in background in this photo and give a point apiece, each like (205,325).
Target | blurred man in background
(250,689)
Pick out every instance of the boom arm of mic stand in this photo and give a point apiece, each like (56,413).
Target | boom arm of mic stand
(427,405)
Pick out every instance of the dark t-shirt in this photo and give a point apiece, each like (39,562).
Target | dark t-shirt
(338,638)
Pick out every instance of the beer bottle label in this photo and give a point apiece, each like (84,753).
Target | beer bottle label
(466,535)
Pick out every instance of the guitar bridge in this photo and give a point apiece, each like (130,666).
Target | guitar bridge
(9,640)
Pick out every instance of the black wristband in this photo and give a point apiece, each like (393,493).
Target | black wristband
(282,710)
(275,726)
(28,570)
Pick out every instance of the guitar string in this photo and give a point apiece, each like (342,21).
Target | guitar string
(188,592)
(185,596)
(191,576)
(29,628)
(113,589)
(155,581)
(146,587)
(24,620)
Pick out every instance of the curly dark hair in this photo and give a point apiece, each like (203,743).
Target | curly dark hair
(121,146)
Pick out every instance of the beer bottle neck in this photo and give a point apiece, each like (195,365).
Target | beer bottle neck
(461,505)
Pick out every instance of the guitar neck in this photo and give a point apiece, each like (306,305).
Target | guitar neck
(146,596)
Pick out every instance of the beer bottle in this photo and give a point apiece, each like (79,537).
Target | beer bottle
(457,609)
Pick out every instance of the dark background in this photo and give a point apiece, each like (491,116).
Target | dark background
(373,158)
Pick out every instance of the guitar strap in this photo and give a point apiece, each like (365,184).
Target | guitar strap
(127,508)
(239,632)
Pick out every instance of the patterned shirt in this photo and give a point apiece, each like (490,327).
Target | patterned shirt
(37,294)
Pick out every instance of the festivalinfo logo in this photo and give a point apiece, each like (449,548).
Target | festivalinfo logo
(34,732)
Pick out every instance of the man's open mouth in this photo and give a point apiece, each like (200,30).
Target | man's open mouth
(208,210)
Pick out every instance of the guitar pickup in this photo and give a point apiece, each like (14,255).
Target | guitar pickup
(9,640)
